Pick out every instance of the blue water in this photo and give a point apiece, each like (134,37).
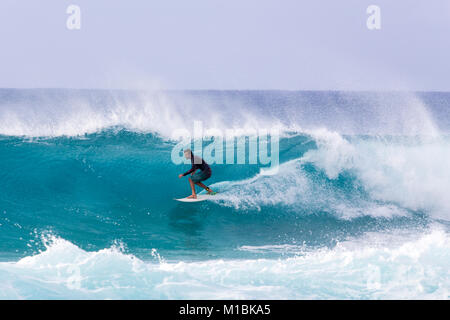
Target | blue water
(358,209)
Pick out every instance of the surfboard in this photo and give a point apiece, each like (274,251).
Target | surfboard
(200,197)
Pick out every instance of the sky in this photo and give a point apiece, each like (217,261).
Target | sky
(226,45)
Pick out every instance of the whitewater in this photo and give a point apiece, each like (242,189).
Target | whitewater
(358,208)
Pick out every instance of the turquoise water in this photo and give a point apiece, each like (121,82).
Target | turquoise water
(358,208)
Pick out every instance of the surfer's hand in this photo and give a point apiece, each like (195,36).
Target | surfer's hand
(180,175)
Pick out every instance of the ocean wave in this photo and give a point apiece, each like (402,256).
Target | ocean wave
(96,166)
(379,177)
(411,267)
(411,173)
(294,189)
(53,113)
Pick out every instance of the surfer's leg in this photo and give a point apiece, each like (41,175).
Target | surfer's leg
(204,187)
(194,195)
(198,177)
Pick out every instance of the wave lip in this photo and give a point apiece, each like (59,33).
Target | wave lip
(59,112)
(49,113)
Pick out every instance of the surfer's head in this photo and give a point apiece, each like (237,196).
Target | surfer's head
(188,153)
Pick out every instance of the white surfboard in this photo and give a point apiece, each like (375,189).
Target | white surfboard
(200,197)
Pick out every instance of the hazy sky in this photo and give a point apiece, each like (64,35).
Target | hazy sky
(226,44)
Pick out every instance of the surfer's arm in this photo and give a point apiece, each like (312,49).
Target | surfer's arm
(192,170)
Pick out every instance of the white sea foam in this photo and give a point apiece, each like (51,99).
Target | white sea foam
(293,188)
(412,174)
(146,112)
(399,175)
(414,266)
(49,113)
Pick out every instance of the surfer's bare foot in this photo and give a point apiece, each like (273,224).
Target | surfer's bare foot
(193,196)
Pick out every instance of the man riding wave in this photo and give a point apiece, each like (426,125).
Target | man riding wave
(197,177)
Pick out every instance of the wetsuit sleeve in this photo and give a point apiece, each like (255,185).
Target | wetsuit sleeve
(191,170)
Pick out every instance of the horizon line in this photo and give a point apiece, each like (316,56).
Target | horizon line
(229,90)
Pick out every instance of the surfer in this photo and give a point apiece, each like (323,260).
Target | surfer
(197,177)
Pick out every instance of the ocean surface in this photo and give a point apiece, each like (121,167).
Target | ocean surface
(358,208)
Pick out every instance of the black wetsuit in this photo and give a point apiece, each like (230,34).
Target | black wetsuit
(198,163)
